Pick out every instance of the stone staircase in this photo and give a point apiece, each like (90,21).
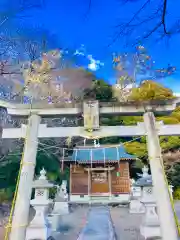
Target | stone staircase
(99,199)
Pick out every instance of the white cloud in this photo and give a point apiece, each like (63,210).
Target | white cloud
(78,53)
(94,64)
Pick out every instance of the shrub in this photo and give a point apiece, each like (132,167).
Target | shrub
(176,194)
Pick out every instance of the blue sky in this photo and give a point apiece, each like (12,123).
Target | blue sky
(66,19)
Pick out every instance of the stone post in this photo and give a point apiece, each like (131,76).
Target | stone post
(21,211)
(165,212)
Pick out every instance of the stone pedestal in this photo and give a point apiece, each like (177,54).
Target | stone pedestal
(61,206)
(150,227)
(136,192)
(136,206)
(39,227)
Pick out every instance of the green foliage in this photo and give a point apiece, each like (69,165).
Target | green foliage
(150,90)
(9,170)
(6,194)
(173,176)
(100,90)
(130,120)
(176,194)
(169,143)
(136,148)
(168,119)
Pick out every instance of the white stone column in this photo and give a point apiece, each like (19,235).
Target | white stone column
(165,212)
(21,212)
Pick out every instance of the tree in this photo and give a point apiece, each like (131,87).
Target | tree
(10,11)
(132,69)
(152,18)
(99,90)
(49,159)
(150,90)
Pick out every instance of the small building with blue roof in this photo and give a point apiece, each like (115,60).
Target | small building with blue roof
(101,154)
(100,173)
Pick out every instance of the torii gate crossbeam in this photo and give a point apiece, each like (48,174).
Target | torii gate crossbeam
(104,131)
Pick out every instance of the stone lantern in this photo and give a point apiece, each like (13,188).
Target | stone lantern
(138,189)
(150,227)
(39,227)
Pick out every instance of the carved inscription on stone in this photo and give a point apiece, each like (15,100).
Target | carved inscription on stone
(91,115)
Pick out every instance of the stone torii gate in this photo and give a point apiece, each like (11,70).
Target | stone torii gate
(93,109)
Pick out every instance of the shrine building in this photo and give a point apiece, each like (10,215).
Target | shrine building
(100,174)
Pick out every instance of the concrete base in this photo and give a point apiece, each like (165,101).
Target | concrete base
(87,199)
(150,232)
(136,206)
(61,208)
(38,232)
(55,220)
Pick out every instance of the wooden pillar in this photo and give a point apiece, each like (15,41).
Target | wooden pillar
(129,181)
(89,182)
(109,180)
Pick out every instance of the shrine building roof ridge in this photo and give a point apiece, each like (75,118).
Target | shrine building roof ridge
(108,153)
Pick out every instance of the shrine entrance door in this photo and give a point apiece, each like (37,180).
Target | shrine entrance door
(99,182)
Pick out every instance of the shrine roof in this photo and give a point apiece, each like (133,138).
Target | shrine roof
(101,154)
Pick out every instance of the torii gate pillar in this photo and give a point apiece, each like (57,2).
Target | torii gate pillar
(165,211)
(21,211)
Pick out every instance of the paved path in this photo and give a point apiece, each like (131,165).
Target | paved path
(72,224)
(99,225)
(126,225)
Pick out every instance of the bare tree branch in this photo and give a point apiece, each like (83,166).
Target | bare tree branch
(157,19)
(88,9)
(128,24)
